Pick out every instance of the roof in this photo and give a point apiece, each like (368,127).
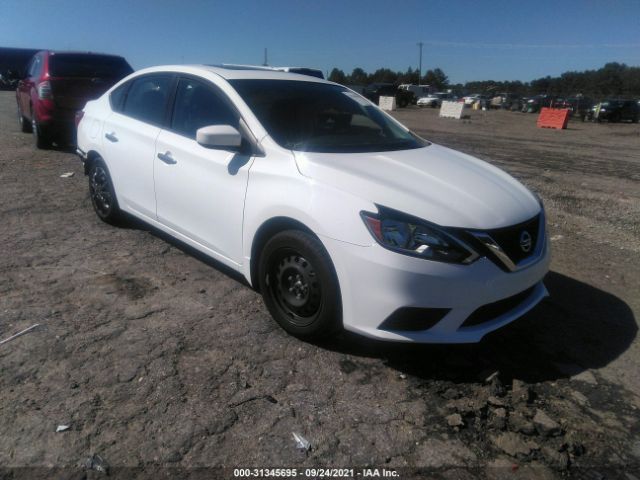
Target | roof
(234,73)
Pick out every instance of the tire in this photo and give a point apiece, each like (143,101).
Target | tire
(25,126)
(635,119)
(40,138)
(299,285)
(102,193)
(402,103)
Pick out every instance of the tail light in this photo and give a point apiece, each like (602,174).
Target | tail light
(79,115)
(44,91)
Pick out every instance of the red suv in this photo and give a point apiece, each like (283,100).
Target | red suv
(57,85)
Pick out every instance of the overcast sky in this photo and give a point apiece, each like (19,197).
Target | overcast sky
(469,40)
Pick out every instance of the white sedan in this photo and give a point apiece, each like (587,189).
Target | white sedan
(339,215)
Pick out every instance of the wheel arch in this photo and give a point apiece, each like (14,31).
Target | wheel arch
(92,155)
(267,230)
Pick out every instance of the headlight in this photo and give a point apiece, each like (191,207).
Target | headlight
(411,236)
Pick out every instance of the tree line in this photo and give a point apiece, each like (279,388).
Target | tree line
(612,80)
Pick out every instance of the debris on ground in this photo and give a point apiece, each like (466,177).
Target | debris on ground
(97,463)
(545,425)
(455,420)
(513,444)
(585,377)
(26,330)
(301,442)
(62,428)
(67,175)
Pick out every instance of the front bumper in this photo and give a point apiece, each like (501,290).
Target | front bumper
(376,282)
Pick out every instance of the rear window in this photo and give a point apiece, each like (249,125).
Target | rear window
(92,66)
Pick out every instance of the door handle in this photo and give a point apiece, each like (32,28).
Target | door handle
(111,137)
(167,158)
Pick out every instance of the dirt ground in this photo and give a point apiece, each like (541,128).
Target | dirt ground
(163,363)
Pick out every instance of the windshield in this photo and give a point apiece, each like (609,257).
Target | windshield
(87,65)
(319,117)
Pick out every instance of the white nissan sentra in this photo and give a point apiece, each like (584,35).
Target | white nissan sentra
(339,215)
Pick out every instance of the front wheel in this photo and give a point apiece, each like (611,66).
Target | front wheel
(299,285)
(103,195)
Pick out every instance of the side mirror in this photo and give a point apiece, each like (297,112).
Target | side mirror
(223,137)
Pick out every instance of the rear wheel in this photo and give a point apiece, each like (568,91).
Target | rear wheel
(299,285)
(103,195)
(40,137)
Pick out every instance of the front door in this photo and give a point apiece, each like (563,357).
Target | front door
(200,191)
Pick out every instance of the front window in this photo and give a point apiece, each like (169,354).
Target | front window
(319,117)
(199,105)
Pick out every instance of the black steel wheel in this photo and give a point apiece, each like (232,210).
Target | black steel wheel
(299,285)
(102,193)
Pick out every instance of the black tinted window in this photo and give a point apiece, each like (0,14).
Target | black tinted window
(147,98)
(320,117)
(84,65)
(118,96)
(199,105)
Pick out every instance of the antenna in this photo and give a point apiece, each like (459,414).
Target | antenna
(265,57)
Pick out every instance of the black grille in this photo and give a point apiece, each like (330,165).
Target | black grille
(509,238)
(494,310)
(413,318)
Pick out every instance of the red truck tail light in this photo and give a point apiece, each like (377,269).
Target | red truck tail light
(44,91)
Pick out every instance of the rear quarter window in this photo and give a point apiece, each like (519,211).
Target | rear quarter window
(117,97)
(146,98)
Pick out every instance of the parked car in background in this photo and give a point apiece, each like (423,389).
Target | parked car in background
(534,104)
(471,99)
(435,100)
(579,106)
(503,100)
(337,213)
(476,99)
(57,85)
(376,90)
(418,91)
(615,111)
(312,72)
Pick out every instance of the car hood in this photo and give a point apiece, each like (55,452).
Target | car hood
(435,183)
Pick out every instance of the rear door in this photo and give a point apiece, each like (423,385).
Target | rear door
(200,191)
(129,136)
